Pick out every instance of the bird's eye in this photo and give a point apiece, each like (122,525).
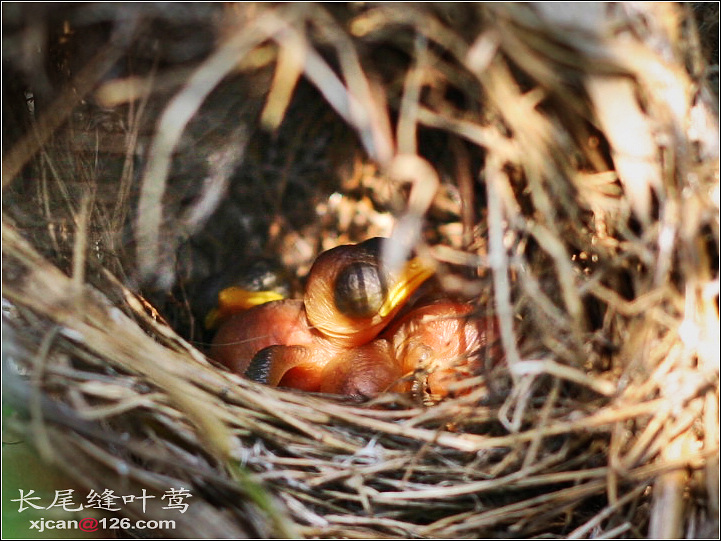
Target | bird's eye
(359,290)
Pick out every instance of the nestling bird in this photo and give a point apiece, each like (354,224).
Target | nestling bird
(344,337)
(349,299)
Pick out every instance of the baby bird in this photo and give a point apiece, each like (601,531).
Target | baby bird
(326,342)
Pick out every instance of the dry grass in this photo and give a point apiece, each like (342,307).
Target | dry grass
(560,165)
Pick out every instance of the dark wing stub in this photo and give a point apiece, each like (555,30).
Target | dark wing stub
(259,367)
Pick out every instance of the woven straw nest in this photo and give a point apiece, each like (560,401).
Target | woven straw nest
(559,163)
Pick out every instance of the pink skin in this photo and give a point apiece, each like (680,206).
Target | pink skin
(275,323)
(446,341)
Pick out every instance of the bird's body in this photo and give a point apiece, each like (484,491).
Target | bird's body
(244,334)
(445,341)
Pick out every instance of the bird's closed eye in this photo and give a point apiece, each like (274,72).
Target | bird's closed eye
(359,290)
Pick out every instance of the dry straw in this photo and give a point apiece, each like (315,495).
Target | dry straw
(560,164)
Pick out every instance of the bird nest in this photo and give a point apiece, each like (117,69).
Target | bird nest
(559,164)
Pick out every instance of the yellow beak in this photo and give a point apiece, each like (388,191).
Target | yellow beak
(414,273)
(232,300)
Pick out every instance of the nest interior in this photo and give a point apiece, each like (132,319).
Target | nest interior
(559,165)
